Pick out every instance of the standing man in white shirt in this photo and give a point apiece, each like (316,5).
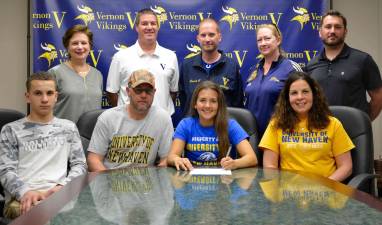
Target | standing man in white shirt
(147,54)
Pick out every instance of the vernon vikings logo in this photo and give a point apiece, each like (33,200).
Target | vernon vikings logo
(119,47)
(50,53)
(225,82)
(87,16)
(232,16)
(194,49)
(160,13)
(302,16)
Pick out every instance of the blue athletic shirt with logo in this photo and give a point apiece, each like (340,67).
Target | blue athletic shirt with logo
(202,142)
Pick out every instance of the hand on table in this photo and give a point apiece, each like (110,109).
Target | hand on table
(228,163)
(183,164)
(29,199)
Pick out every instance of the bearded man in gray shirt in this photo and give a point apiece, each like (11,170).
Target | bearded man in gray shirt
(133,134)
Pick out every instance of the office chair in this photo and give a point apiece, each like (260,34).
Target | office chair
(7,116)
(358,126)
(86,124)
(248,122)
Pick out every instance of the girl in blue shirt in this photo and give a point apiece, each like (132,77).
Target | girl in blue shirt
(205,138)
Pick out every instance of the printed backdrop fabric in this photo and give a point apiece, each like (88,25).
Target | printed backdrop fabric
(112,23)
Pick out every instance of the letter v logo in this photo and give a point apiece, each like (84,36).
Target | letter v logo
(308,54)
(131,20)
(57,19)
(94,59)
(274,20)
(240,60)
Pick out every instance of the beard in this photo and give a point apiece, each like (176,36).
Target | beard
(139,107)
(335,43)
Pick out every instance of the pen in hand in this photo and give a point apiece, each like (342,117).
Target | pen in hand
(229,151)
(226,157)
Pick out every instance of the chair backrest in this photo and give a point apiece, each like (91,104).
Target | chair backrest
(86,124)
(248,122)
(7,116)
(358,126)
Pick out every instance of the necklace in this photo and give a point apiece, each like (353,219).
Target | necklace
(81,73)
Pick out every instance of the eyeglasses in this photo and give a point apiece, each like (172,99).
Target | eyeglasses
(139,91)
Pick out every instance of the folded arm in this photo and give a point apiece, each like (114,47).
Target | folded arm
(344,167)
(270,159)
(95,162)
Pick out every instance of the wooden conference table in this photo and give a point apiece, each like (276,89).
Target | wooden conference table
(164,196)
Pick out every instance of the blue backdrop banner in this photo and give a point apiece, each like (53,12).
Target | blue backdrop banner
(112,23)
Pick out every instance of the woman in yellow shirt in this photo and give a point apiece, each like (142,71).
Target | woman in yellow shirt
(308,138)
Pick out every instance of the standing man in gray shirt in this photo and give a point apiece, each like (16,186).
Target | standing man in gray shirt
(132,134)
(36,150)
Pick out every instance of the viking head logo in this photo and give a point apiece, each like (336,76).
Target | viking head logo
(302,16)
(87,15)
(119,47)
(160,13)
(194,50)
(50,53)
(225,81)
(232,16)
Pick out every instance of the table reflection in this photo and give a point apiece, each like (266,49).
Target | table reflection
(133,196)
(285,186)
(249,196)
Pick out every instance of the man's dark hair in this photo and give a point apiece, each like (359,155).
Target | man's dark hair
(41,75)
(334,13)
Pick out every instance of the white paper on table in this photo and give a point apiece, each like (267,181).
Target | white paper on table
(210,171)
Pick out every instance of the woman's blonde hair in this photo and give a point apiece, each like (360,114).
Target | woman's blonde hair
(277,33)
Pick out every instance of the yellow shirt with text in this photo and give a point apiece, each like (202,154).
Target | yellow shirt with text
(311,151)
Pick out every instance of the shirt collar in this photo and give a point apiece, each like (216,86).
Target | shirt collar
(142,53)
(343,54)
(274,63)
(198,59)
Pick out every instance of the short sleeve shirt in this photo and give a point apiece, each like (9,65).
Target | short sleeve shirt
(304,150)
(163,64)
(202,142)
(125,141)
(346,78)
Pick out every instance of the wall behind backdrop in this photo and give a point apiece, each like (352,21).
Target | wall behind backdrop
(112,23)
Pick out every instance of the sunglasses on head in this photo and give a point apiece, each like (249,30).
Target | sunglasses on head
(139,90)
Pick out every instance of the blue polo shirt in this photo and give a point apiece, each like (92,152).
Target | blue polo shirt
(225,73)
(261,93)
